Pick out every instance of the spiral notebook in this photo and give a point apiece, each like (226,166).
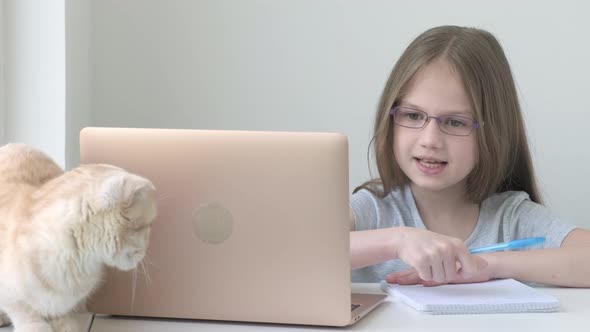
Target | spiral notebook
(496,296)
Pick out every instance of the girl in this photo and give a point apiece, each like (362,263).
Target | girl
(455,173)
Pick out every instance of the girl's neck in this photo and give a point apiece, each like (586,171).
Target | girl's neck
(446,212)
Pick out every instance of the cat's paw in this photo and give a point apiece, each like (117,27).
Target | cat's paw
(4,320)
(33,327)
(25,320)
(65,324)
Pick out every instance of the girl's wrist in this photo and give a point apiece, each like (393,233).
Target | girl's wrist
(394,237)
(495,267)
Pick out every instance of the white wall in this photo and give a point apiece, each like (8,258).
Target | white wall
(78,75)
(321,65)
(2,20)
(34,49)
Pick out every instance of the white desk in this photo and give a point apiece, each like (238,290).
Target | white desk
(84,321)
(390,316)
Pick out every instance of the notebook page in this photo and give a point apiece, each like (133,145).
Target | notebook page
(496,296)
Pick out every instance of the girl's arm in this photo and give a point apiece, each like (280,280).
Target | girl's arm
(371,247)
(568,265)
(433,256)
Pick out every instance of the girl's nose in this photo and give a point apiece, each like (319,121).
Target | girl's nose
(431,135)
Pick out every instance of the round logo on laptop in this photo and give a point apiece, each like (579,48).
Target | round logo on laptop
(212,223)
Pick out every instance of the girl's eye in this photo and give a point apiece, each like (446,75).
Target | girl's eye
(456,122)
(414,116)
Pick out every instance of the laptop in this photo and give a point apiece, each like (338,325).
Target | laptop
(252,226)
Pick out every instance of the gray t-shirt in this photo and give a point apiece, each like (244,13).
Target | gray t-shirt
(503,217)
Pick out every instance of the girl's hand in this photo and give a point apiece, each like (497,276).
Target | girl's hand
(411,277)
(436,258)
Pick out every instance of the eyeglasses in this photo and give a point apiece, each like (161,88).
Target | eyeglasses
(450,124)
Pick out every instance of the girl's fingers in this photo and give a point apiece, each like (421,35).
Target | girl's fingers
(410,280)
(480,264)
(432,283)
(450,267)
(469,264)
(425,272)
(443,266)
(407,277)
(392,278)
(438,272)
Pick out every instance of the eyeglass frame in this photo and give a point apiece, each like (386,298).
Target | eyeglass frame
(439,120)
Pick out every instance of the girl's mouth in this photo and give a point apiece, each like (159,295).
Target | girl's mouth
(430,166)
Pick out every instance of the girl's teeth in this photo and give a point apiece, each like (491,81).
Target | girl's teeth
(430,164)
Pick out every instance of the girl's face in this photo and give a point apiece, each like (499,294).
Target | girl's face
(434,160)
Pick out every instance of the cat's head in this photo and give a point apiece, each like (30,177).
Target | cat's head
(120,210)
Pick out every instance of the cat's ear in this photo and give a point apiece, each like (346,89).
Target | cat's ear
(130,194)
(139,202)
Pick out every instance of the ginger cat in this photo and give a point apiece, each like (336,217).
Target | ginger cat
(59,229)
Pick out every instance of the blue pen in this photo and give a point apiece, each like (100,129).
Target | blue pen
(515,244)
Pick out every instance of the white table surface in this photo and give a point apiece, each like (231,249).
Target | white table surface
(392,315)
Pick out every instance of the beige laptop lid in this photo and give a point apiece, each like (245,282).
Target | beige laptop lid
(252,226)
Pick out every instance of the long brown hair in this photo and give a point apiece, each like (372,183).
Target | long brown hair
(504,158)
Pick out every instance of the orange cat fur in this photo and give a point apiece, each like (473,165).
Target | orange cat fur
(58,230)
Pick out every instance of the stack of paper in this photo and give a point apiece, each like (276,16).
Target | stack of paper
(496,296)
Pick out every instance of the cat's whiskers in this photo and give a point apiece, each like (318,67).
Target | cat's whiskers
(163,197)
(146,273)
(150,262)
(133,287)
(144,270)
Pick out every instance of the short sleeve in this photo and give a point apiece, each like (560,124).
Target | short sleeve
(364,209)
(534,220)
